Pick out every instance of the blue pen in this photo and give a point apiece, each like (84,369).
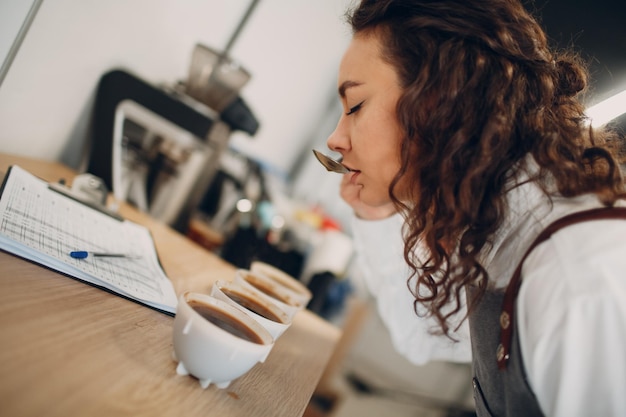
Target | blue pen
(82,254)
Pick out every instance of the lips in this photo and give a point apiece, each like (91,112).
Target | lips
(353,172)
(354,176)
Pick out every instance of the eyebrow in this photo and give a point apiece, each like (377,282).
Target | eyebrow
(345,85)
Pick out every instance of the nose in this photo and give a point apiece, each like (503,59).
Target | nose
(339,139)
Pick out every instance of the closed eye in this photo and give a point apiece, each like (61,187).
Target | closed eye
(355,108)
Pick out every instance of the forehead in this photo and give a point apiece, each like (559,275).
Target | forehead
(362,64)
(362,48)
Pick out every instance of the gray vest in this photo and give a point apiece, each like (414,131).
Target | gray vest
(497,393)
(500,384)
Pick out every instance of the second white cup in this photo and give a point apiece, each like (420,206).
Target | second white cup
(269,290)
(268,314)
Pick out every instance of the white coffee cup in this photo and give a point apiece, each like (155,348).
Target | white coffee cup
(268,314)
(216,342)
(299,291)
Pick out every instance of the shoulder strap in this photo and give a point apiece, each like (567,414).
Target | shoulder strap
(508,305)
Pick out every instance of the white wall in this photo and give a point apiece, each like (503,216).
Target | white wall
(14,15)
(291,47)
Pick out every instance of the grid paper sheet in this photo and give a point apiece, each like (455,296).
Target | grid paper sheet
(44,226)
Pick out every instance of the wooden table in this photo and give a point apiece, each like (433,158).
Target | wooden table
(69,349)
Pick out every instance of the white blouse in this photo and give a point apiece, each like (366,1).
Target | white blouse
(571,308)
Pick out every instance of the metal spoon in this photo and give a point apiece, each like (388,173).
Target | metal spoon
(330,164)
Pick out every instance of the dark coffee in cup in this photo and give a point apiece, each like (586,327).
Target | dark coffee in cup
(288,284)
(225,321)
(251,304)
(267,288)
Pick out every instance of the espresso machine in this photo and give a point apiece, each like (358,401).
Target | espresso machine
(159,147)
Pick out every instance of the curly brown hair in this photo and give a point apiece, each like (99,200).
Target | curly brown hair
(482,90)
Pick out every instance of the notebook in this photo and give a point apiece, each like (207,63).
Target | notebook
(44,226)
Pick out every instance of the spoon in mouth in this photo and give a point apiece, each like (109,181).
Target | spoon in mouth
(330,164)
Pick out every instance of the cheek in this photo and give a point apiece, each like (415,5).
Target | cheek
(378,180)
(381,145)
(388,166)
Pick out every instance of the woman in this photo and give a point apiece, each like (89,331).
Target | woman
(463,129)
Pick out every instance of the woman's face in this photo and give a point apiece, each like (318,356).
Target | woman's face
(368,134)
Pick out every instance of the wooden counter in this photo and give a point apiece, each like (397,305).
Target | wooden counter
(70,349)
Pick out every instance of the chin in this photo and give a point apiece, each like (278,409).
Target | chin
(375,200)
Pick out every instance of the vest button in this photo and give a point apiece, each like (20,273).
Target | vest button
(501,353)
(505,320)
